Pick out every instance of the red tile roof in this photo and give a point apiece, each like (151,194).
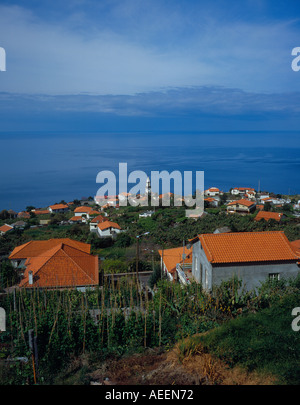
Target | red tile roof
(108,224)
(62,265)
(37,247)
(173,256)
(267,215)
(247,247)
(99,218)
(83,209)
(296,246)
(77,219)
(59,206)
(41,212)
(5,228)
(242,201)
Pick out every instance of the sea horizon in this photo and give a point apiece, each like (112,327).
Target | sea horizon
(42,168)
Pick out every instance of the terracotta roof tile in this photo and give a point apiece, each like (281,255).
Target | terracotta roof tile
(5,228)
(173,256)
(59,206)
(83,209)
(61,266)
(242,201)
(268,215)
(247,247)
(108,224)
(37,247)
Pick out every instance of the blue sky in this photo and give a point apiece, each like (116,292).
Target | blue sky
(161,64)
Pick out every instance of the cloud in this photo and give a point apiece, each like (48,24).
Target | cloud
(132,47)
(183,101)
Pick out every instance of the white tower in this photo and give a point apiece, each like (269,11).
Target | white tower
(148,187)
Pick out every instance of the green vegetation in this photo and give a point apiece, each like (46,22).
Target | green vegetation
(262,338)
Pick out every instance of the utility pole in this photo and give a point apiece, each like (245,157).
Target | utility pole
(34,353)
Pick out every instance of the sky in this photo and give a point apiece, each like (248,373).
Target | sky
(159,65)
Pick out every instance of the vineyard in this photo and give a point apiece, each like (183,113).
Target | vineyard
(113,320)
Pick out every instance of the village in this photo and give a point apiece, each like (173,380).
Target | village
(95,278)
(207,258)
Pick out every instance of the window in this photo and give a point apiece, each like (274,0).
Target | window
(274,276)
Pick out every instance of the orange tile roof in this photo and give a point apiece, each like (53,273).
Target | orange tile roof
(5,228)
(37,247)
(83,209)
(244,188)
(61,266)
(99,218)
(173,256)
(94,213)
(296,246)
(108,224)
(77,219)
(41,212)
(23,214)
(247,247)
(242,201)
(267,215)
(59,206)
(209,199)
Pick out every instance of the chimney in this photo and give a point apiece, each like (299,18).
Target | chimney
(30,275)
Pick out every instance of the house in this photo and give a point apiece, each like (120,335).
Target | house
(41,212)
(19,225)
(5,228)
(44,222)
(267,215)
(242,190)
(176,263)
(211,202)
(108,229)
(75,220)
(58,208)
(95,221)
(242,206)
(83,210)
(24,214)
(251,256)
(55,263)
(212,192)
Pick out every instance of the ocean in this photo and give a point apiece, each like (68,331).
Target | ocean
(42,168)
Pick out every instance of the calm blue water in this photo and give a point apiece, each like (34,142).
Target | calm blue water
(41,169)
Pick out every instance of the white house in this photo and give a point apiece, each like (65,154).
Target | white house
(5,228)
(241,190)
(95,221)
(58,208)
(251,256)
(108,229)
(212,191)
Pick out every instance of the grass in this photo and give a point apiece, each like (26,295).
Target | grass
(263,342)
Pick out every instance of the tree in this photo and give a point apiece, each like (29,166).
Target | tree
(4,214)
(8,276)
(267,206)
